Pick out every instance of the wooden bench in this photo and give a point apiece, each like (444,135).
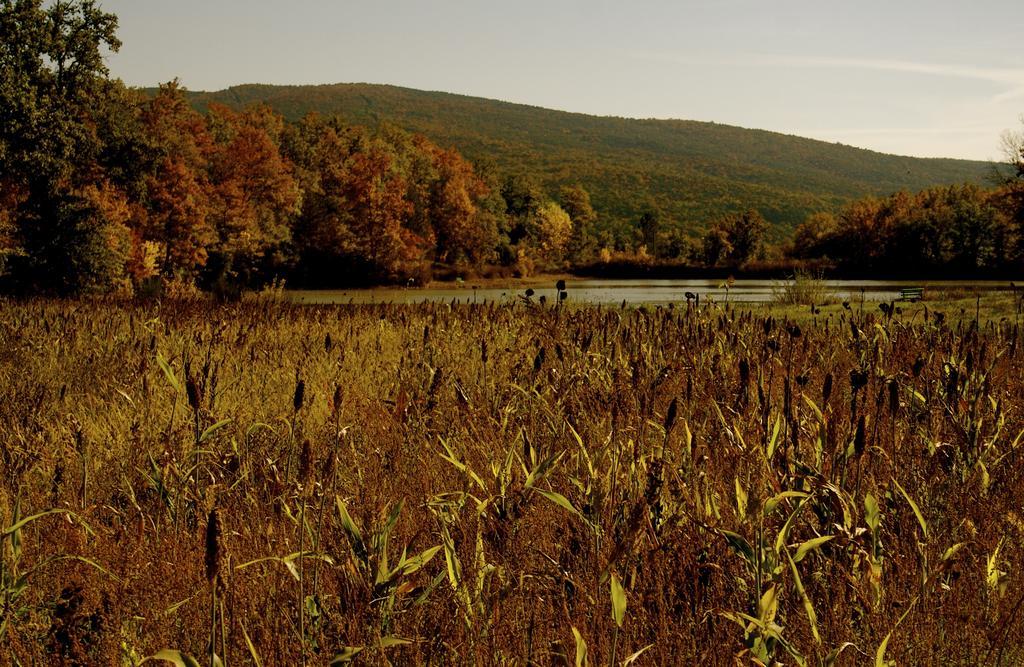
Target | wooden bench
(911,294)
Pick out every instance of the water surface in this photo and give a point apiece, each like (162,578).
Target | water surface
(640,291)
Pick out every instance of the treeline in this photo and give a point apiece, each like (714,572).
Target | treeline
(104,188)
(693,172)
(957,230)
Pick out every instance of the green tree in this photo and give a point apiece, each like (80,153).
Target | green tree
(53,92)
(715,246)
(575,201)
(746,234)
(735,238)
(813,235)
(522,195)
(650,228)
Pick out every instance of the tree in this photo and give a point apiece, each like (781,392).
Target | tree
(1011,193)
(715,246)
(523,196)
(736,238)
(254,195)
(575,201)
(650,227)
(53,82)
(813,235)
(374,194)
(550,229)
(464,231)
(746,234)
(177,188)
(51,71)
(10,200)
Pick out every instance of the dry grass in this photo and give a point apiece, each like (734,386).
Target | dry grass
(479,484)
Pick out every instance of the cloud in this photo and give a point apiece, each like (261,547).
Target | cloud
(1012,78)
(1012,94)
(1010,75)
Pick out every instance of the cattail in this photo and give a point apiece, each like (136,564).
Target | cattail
(337,399)
(952,384)
(652,492)
(432,391)
(192,390)
(538,361)
(214,549)
(918,367)
(894,395)
(327,470)
(670,417)
(328,343)
(858,438)
(300,394)
(306,461)
(826,389)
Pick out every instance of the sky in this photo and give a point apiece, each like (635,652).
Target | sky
(933,78)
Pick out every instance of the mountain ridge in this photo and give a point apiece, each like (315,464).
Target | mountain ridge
(692,171)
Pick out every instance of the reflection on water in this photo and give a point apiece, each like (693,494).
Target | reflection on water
(631,291)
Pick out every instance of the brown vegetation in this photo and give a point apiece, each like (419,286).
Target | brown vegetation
(486,484)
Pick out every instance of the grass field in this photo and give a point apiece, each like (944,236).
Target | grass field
(482,485)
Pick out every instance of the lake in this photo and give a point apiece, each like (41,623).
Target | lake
(597,291)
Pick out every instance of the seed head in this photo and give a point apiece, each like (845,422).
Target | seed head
(894,395)
(192,390)
(214,550)
(300,394)
(670,417)
(306,461)
(338,398)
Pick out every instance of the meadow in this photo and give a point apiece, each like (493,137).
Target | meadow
(269,484)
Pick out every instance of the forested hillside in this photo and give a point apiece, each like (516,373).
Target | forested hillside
(692,172)
(105,188)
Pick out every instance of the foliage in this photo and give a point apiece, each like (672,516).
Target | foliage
(803,289)
(52,106)
(474,484)
(106,189)
(960,229)
(695,172)
(735,239)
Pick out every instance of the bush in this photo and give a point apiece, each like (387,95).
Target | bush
(803,289)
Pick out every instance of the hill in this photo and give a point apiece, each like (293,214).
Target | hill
(693,171)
